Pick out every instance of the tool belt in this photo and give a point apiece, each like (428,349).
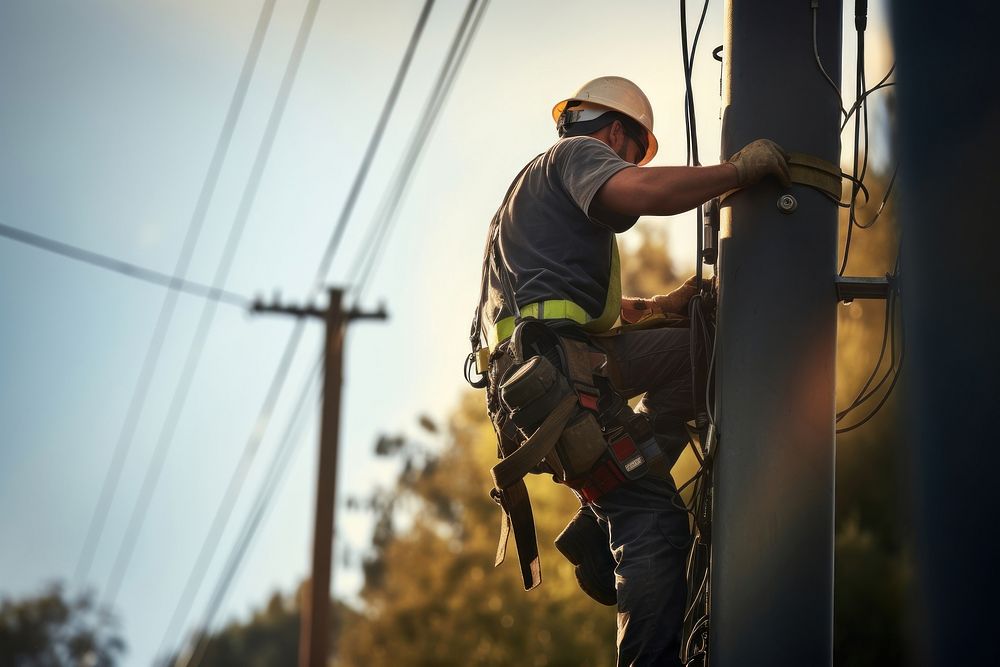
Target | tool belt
(554,411)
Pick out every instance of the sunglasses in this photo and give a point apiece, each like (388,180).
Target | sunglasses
(640,141)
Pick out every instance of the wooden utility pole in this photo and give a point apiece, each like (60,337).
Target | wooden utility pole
(772,559)
(313,644)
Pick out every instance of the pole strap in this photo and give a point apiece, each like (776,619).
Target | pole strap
(816,173)
(811,171)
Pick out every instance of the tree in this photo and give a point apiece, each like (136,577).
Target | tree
(269,638)
(54,630)
(432,597)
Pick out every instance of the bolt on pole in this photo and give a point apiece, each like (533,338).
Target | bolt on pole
(772,561)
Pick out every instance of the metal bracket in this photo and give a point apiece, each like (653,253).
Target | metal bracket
(850,288)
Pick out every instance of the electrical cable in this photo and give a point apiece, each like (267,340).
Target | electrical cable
(895,366)
(699,562)
(860,107)
(262,502)
(390,202)
(223,513)
(881,206)
(819,63)
(688,64)
(232,492)
(879,86)
(137,518)
(888,392)
(887,325)
(172,282)
(373,144)
(176,282)
(368,258)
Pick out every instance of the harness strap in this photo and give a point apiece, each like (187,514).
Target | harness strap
(512,495)
(514,467)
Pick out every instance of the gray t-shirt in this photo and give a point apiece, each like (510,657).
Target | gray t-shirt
(551,246)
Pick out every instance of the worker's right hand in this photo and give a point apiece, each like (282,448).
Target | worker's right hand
(759,159)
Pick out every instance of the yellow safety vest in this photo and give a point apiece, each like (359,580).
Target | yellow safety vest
(560,309)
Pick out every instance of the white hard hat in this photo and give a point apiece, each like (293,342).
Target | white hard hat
(613,93)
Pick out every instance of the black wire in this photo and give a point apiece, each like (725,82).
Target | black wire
(277,384)
(371,251)
(690,122)
(137,518)
(224,511)
(887,318)
(861,100)
(687,80)
(881,206)
(265,494)
(233,488)
(888,392)
(895,367)
(373,144)
(172,282)
(856,181)
(819,63)
(139,394)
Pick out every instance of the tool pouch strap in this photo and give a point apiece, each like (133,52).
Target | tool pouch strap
(509,491)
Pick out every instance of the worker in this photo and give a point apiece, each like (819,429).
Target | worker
(552,255)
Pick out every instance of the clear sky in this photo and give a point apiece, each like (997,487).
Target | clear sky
(109,112)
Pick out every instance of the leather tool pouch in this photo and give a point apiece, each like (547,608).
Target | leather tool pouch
(581,445)
(529,393)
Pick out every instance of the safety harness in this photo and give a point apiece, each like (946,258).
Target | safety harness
(554,411)
(552,406)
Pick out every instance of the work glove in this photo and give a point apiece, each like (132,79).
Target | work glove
(759,159)
(676,302)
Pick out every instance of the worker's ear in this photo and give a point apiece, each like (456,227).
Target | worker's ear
(617,138)
(617,133)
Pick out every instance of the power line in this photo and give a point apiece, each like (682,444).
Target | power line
(178,400)
(373,144)
(269,486)
(367,259)
(223,513)
(415,147)
(411,155)
(113,475)
(122,267)
(233,489)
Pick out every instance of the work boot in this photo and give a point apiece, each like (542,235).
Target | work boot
(585,544)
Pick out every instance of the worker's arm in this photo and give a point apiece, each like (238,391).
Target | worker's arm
(662,190)
(639,191)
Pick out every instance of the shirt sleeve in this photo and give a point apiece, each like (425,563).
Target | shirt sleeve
(584,164)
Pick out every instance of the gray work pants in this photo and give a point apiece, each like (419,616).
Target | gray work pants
(648,530)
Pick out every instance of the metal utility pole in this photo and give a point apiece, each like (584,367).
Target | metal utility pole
(948,184)
(313,645)
(772,560)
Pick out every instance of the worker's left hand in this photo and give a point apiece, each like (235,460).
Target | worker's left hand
(676,302)
(759,159)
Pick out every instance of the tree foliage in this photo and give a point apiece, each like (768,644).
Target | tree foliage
(269,638)
(54,630)
(431,594)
